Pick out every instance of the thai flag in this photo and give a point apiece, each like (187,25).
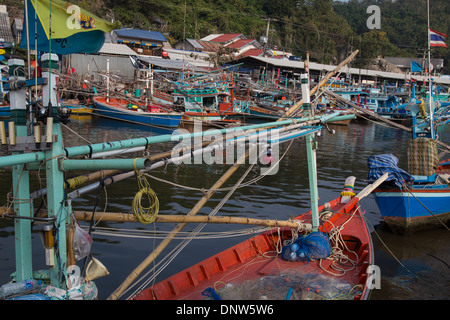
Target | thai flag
(436,39)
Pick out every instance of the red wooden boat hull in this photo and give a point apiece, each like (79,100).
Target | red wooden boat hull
(257,257)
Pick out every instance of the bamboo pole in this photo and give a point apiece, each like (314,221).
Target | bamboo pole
(371,113)
(150,258)
(321,83)
(128,217)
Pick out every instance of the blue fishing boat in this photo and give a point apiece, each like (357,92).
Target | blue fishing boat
(268,105)
(125,110)
(419,198)
(76,107)
(4,110)
(409,203)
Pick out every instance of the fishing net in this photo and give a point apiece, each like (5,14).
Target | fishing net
(290,285)
(315,245)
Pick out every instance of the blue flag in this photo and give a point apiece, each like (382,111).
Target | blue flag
(415,67)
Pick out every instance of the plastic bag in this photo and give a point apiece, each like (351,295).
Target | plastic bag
(82,242)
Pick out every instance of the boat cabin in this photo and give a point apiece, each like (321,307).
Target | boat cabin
(203,100)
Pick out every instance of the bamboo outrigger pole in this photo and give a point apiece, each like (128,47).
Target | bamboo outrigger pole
(321,83)
(150,258)
(128,217)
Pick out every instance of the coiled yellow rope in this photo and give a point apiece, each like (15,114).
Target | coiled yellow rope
(144,215)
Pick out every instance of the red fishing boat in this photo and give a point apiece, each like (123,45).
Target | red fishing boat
(257,268)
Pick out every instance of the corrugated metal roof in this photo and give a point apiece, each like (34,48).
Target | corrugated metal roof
(195,43)
(204,46)
(140,34)
(211,36)
(210,46)
(406,62)
(172,64)
(225,38)
(242,43)
(18,23)
(5,28)
(194,58)
(117,49)
(354,71)
(251,52)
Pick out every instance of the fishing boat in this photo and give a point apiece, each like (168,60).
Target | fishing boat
(398,113)
(258,268)
(134,112)
(4,105)
(4,110)
(268,105)
(259,113)
(391,107)
(76,107)
(205,101)
(422,205)
(419,198)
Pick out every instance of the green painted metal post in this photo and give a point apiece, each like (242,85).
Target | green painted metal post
(56,208)
(311,154)
(312,174)
(55,177)
(20,176)
(22,208)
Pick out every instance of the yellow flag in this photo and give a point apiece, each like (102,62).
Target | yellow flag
(67,19)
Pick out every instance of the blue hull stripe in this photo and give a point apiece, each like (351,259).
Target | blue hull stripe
(405,205)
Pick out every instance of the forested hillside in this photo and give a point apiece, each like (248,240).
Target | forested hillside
(328,29)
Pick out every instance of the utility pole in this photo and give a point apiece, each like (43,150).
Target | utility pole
(266,38)
(184,27)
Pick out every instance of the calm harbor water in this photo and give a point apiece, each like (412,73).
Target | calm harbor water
(412,267)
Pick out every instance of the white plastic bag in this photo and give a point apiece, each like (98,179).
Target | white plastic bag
(82,242)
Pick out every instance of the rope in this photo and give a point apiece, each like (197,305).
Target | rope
(436,217)
(144,215)
(337,250)
(76,181)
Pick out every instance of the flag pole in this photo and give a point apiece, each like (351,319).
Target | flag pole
(27,23)
(430,99)
(28,37)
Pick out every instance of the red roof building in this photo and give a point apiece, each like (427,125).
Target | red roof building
(212,43)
